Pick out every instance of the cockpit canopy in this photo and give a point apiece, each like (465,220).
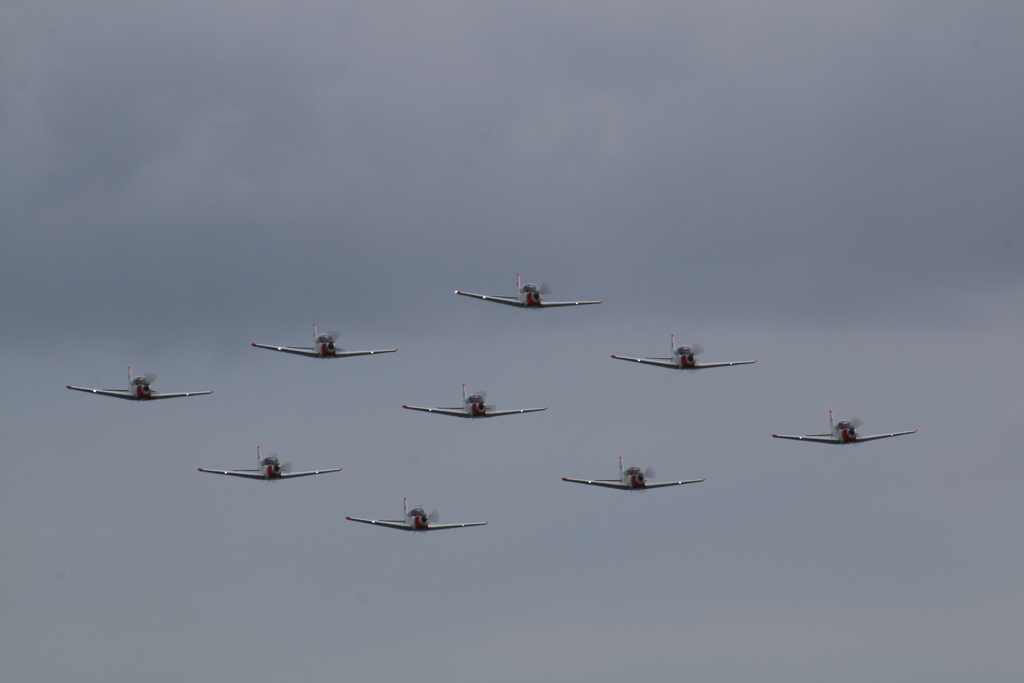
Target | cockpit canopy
(684,351)
(325,339)
(634,470)
(136,381)
(417,512)
(844,424)
(475,398)
(533,289)
(270,460)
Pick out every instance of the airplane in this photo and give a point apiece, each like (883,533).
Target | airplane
(139,389)
(268,469)
(529,296)
(415,520)
(843,432)
(631,479)
(683,358)
(473,406)
(324,347)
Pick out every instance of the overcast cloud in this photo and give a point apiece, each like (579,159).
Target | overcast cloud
(834,190)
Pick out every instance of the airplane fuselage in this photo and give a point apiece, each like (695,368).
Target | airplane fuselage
(140,389)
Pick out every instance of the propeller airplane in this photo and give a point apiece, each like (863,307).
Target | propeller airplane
(473,406)
(416,519)
(528,296)
(268,469)
(139,389)
(324,346)
(632,479)
(683,358)
(843,432)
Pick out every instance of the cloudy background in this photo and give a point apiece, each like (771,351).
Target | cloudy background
(833,189)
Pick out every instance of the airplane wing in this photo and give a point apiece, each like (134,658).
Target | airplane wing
(508,300)
(390,523)
(609,483)
(816,439)
(437,527)
(187,393)
(882,436)
(553,304)
(299,350)
(671,483)
(116,393)
(700,366)
(346,354)
(246,474)
(510,412)
(292,475)
(454,412)
(650,361)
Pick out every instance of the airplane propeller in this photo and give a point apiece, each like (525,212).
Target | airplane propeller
(856,422)
(434,518)
(649,473)
(286,467)
(545,288)
(150,377)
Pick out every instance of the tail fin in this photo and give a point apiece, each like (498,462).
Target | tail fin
(463,394)
(405,508)
(519,287)
(620,468)
(259,459)
(831,422)
(672,351)
(315,336)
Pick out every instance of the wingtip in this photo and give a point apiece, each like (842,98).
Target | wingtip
(775,436)
(69,386)
(565,478)
(254,343)
(348,518)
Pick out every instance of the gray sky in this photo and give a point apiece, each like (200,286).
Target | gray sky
(832,190)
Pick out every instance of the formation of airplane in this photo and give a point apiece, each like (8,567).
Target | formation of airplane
(474,406)
(324,346)
(268,469)
(140,388)
(632,479)
(683,358)
(528,296)
(843,432)
(415,520)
